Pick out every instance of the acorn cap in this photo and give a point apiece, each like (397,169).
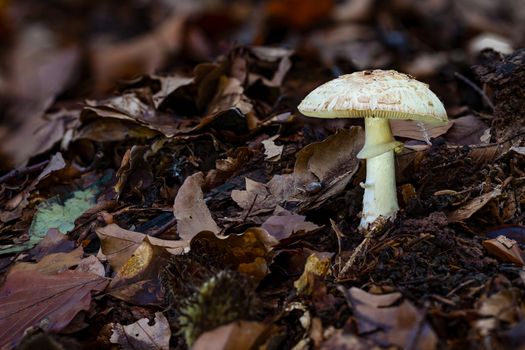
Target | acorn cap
(374,93)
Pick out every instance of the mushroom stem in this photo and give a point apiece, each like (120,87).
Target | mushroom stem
(380,198)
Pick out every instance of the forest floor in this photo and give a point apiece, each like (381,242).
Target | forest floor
(159,188)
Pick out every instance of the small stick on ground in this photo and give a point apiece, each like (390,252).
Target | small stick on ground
(23,171)
(377,226)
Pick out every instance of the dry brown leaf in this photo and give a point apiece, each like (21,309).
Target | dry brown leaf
(230,94)
(387,325)
(118,244)
(142,55)
(52,263)
(282,224)
(331,163)
(467,130)
(167,86)
(92,265)
(247,252)
(467,210)
(135,173)
(143,336)
(14,207)
(261,198)
(129,107)
(418,131)
(29,298)
(53,242)
(193,216)
(137,281)
(506,249)
(504,305)
(317,265)
(345,341)
(242,335)
(272,151)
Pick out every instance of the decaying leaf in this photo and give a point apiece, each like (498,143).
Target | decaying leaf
(283,224)
(242,335)
(29,298)
(137,281)
(467,210)
(418,130)
(261,198)
(467,130)
(142,335)
(332,163)
(271,150)
(15,205)
(118,244)
(403,325)
(504,305)
(247,252)
(317,266)
(92,265)
(505,249)
(193,216)
(53,214)
(52,263)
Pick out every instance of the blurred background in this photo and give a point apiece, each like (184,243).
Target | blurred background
(55,54)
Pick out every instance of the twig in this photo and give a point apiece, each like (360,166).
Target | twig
(355,254)
(475,88)
(251,207)
(23,171)
(339,236)
(375,228)
(163,228)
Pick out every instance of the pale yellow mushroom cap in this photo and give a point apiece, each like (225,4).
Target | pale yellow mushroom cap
(374,93)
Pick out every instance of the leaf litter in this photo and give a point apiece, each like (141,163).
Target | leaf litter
(169,171)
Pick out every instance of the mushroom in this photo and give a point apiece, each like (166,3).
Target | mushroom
(376,96)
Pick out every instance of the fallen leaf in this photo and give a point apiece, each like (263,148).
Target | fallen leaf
(230,94)
(467,210)
(317,265)
(467,130)
(190,210)
(282,224)
(271,150)
(15,205)
(52,263)
(417,130)
(139,55)
(53,242)
(137,281)
(142,335)
(506,249)
(519,150)
(344,341)
(29,298)
(247,252)
(504,305)
(118,244)
(55,214)
(403,325)
(331,163)
(168,84)
(129,107)
(241,335)
(92,265)
(135,172)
